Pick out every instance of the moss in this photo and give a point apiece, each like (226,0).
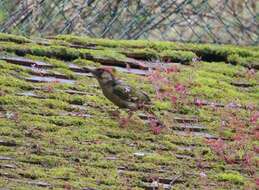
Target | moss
(251,62)
(33,173)
(178,56)
(9,80)
(63,172)
(102,42)
(64,71)
(76,99)
(207,52)
(233,177)
(46,161)
(66,121)
(9,131)
(13,38)
(163,105)
(57,142)
(143,53)
(60,52)
(161,159)
(55,62)
(85,62)
(220,69)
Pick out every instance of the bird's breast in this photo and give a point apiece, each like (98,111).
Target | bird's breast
(118,101)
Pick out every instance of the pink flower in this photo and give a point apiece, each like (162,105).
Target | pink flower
(217,145)
(256,135)
(173,99)
(156,130)
(180,88)
(254,118)
(257,182)
(198,102)
(238,137)
(256,149)
(172,69)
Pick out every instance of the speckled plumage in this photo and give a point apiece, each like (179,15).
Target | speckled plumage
(118,92)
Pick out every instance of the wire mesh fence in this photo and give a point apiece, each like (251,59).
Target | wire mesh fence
(210,21)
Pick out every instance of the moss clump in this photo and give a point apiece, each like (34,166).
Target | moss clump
(251,62)
(163,105)
(8,80)
(233,177)
(13,38)
(158,158)
(61,52)
(247,56)
(62,173)
(143,53)
(184,57)
(103,42)
(44,160)
(55,62)
(85,62)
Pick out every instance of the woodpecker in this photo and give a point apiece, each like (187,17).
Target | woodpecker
(121,94)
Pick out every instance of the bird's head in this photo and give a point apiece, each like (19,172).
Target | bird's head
(104,74)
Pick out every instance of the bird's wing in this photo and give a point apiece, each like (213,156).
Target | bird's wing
(129,93)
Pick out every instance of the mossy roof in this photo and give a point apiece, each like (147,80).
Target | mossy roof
(57,131)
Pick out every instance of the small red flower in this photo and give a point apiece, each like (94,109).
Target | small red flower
(172,69)
(198,102)
(256,135)
(173,99)
(254,118)
(180,88)
(257,182)
(156,130)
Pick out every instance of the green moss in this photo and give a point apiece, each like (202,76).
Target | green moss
(220,69)
(233,177)
(251,62)
(85,62)
(66,120)
(55,62)
(13,38)
(63,172)
(60,52)
(76,99)
(9,131)
(10,80)
(178,56)
(163,105)
(57,142)
(157,158)
(46,161)
(247,56)
(102,42)
(33,173)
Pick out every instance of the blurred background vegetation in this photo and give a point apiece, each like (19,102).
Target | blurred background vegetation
(209,21)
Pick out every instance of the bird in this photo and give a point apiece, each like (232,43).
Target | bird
(122,94)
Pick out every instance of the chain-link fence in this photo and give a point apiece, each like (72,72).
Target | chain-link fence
(211,21)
